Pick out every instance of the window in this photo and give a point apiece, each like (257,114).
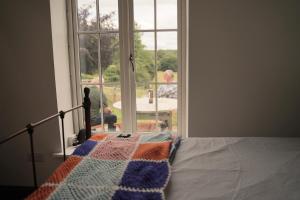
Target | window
(131,54)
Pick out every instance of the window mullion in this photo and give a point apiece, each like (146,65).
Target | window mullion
(127,75)
(155,66)
(182,82)
(99,65)
(132,82)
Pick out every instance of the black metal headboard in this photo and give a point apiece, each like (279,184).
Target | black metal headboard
(30,128)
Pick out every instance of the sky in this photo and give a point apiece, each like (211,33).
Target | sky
(144,17)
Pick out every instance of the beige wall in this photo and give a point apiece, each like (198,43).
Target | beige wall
(61,62)
(27,89)
(244,75)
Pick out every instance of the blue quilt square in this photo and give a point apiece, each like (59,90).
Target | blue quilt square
(145,174)
(129,195)
(85,148)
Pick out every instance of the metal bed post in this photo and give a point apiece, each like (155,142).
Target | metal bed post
(62,116)
(30,130)
(87,113)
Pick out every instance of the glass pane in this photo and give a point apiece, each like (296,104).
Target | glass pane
(112,115)
(112,107)
(167,106)
(88,56)
(110,57)
(96,117)
(145,108)
(166,14)
(167,62)
(143,14)
(167,40)
(109,18)
(144,57)
(87,17)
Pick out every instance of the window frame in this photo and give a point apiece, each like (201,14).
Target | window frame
(127,75)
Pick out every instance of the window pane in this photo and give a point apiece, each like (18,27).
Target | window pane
(166,14)
(167,57)
(112,116)
(143,14)
(167,106)
(87,17)
(167,40)
(110,57)
(144,56)
(109,18)
(145,108)
(96,118)
(88,55)
(110,65)
(112,107)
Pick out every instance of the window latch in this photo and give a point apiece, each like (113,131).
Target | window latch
(131,59)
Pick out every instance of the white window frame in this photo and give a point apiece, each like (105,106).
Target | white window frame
(127,74)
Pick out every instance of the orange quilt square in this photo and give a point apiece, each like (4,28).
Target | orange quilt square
(41,193)
(98,137)
(64,169)
(153,151)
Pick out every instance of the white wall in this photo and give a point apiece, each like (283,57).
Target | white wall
(61,62)
(27,88)
(244,68)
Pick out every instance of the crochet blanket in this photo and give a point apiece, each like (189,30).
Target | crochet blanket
(111,167)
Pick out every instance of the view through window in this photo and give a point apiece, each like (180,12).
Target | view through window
(155,53)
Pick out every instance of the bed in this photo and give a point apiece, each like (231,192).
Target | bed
(151,166)
(216,168)
(236,169)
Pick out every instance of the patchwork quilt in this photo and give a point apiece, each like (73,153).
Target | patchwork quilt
(110,167)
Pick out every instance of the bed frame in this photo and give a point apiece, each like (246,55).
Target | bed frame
(29,128)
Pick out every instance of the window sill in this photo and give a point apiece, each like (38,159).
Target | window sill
(69,151)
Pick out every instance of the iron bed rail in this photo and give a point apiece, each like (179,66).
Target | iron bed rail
(30,128)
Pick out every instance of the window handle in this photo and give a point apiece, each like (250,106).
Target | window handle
(131,59)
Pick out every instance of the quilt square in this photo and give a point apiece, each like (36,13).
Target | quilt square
(78,193)
(85,148)
(42,192)
(144,174)
(64,169)
(98,137)
(93,172)
(153,151)
(129,195)
(113,150)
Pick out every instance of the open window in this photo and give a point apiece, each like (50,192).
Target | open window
(132,55)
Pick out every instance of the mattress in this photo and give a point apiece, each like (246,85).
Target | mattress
(236,169)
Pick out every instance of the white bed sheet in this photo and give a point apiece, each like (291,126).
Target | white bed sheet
(236,169)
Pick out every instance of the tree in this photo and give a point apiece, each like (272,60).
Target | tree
(109,49)
(112,74)
(144,61)
(89,42)
(167,60)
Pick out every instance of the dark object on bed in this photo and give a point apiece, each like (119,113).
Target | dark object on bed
(80,137)
(174,149)
(124,136)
